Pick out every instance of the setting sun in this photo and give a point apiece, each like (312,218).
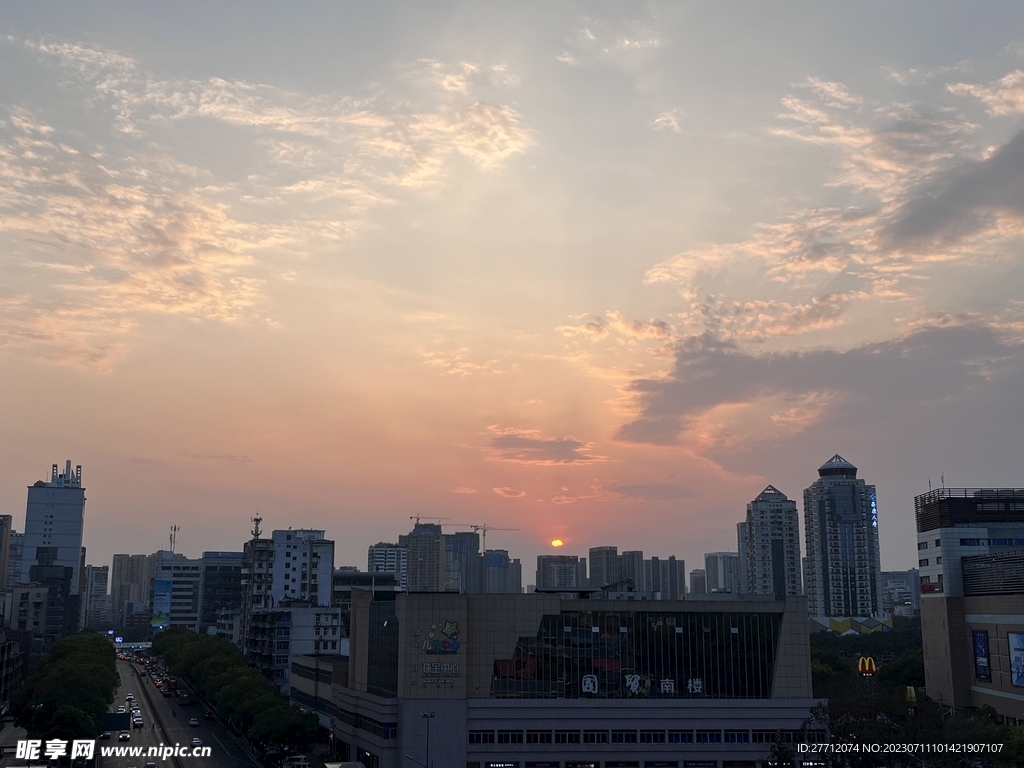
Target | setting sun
(557,543)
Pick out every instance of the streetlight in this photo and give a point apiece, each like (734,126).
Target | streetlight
(428,716)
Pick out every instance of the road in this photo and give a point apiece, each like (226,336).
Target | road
(172,729)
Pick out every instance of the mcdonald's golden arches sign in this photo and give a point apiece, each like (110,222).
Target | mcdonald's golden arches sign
(866,665)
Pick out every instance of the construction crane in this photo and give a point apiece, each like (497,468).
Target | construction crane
(484,529)
(417,518)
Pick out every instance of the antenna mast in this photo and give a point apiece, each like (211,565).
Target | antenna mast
(174,536)
(256,525)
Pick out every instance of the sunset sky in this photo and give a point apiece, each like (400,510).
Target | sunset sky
(599,272)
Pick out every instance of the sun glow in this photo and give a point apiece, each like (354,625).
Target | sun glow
(557,543)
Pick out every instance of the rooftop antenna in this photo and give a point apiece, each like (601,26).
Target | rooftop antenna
(929,484)
(256,525)
(174,536)
(943,478)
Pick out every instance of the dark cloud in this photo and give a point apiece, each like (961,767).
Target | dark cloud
(652,492)
(964,201)
(526,447)
(932,363)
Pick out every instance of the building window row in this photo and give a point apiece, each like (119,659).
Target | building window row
(633,737)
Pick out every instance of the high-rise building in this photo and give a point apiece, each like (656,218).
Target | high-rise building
(665,578)
(177,591)
(722,571)
(257,579)
(389,558)
(769,544)
(463,563)
(842,569)
(6,528)
(632,564)
(970,545)
(303,566)
(96,602)
(14,557)
(62,606)
(131,581)
(561,572)
(502,574)
(698,582)
(605,566)
(221,580)
(901,593)
(427,570)
(54,520)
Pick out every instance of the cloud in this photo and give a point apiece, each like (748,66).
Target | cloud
(651,492)
(943,359)
(598,327)
(509,493)
(464,489)
(965,201)
(757,320)
(1003,97)
(667,121)
(521,446)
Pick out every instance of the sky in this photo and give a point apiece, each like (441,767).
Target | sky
(597,272)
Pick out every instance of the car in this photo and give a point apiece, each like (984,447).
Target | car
(124,736)
(295,761)
(196,741)
(150,765)
(106,735)
(121,710)
(193,721)
(167,692)
(129,697)
(208,715)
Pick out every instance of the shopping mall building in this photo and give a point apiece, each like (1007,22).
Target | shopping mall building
(563,681)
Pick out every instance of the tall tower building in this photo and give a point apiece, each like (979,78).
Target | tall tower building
(131,581)
(561,572)
(6,528)
(302,566)
(722,571)
(95,601)
(769,545)
(54,519)
(843,569)
(383,557)
(14,554)
(698,582)
(427,563)
(605,566)
(632,563)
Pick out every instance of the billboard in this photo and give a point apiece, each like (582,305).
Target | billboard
(1016,642)
(982,668)
(161,604)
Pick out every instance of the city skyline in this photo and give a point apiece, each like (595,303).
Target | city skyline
(600,274)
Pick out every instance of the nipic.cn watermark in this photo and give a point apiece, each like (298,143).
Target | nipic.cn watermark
(32,750)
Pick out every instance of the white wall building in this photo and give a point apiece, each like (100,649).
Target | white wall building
(389,558)
(769,544)
(303,566)
(722,571)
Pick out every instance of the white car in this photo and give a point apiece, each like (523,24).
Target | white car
(196,742)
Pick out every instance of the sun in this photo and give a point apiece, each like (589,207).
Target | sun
(557,543)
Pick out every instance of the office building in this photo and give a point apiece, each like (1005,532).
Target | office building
(769,546)
(427,565)
(664,578)
(722,572)
(561,572)
(901,593)
(303,566)
(389,558)
(62,607)
(6,529)
(229,625)
(294,627)
(842,568)
(14,558)
(971,547)
(502,574)
(12,660)
(176,591)
(632,565)
(605,567)
(54,520)
(96,602)
(221,587)
(698,582)
(549,680)
(463,563)
(131,581)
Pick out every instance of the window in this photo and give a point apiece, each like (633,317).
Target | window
(652,737)
(737,737)
(922,545)
(680,737)
(970,542)
(1001,542)
(709,737)
(595,737)
(923,563)
(567,737)
(938,561)
(538,737)
(481,737)
(510,737)
(623,737)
